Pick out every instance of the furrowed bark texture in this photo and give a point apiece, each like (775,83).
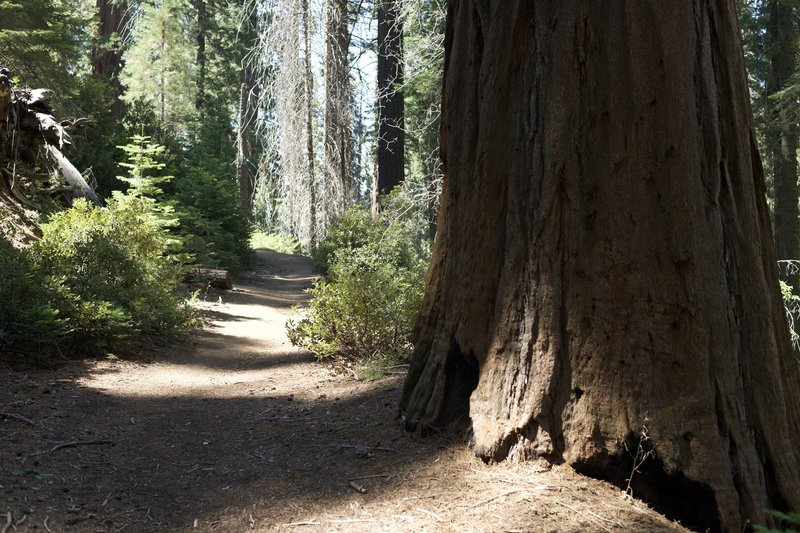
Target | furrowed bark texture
(604,261)
(107,62)
(340,186)
(246,156)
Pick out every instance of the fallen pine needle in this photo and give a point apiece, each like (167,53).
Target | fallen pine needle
(580,513)
(376,448)
(370,477)
(429,513)
(9,522)
(311,523)
(487,500)
(46,518)
(352,521)
(612,522)
(73,444)
(19,417)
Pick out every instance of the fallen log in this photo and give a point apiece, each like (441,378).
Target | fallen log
(219,279)
(32,139)
(78,186)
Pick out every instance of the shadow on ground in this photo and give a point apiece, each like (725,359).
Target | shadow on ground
(172,460)
(235,430)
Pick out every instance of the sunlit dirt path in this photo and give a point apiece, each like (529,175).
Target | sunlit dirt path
(236,430)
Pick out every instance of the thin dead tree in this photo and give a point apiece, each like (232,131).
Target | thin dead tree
(339,179)
(283,66)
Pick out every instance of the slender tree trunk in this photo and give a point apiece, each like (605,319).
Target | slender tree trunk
(604,262)
(107,54)
(246,163)
(391,106)
(784,129)
(246,157)
(433,172)
(309,127)
(202,29)
(162,79)
(338,132)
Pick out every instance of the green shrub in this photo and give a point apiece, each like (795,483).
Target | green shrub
(213,226)
(106,276)
(380,239)
(15,290)
(790,523)
(278,242)
(366,306)
(355,229)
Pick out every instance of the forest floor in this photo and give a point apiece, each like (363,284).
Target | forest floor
(236,430)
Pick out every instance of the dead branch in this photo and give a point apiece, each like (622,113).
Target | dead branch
(376,448)
(73,444)
(19,417)
(311,523)
(376,476)
(496,496)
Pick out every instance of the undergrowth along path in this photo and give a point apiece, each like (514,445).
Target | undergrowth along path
(236,430)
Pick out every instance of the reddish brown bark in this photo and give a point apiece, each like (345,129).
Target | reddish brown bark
(107,54)
(604,261)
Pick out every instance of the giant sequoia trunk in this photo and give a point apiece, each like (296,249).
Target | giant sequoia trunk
(107,54)
(604,261)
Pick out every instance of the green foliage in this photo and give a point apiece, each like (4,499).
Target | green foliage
(366,306)
(15,289)
(97,276)
(45,42)
(791,306)
(355,229)
(213,225)
(96,145)
(278,242)
(791,521)
(144,165)
(160,66)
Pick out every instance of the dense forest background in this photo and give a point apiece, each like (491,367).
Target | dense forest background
(283,99)
(231,117)
(238,116)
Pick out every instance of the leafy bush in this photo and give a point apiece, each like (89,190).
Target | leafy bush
(355,229)
(386,240)
(15,290)
(105,275)
(366,306)
(278,242)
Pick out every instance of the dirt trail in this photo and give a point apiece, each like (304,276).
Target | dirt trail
(239,431)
